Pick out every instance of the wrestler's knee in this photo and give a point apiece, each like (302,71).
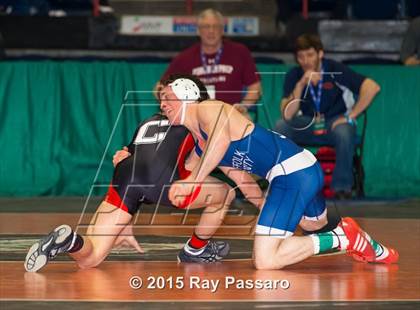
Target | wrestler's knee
(266,258)
(89,262)
(265,262)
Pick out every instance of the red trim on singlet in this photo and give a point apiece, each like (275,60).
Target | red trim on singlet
(114,198)
(186,147)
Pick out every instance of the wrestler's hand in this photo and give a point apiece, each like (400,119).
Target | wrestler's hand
(180,190)
(120,155)
(126,239)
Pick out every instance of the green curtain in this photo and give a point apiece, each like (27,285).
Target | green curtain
(57,119)
(61,122)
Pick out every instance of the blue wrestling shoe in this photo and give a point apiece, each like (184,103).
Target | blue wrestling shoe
(213,252)
(48,247)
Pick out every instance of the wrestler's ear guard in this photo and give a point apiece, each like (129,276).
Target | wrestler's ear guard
(187,92)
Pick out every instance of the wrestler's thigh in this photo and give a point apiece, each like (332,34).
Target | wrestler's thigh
(213,192)
(105,226)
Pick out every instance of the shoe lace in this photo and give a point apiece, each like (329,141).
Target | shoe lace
(212,252)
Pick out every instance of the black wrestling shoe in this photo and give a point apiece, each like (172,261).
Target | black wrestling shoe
(47,248)
(213,252)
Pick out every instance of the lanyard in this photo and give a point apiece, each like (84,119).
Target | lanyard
(317,98)
(207,68)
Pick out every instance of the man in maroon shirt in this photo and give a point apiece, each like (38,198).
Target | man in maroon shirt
(225,67)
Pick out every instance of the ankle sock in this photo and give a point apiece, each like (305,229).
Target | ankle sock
(329,240)
(76,243)
(196,245)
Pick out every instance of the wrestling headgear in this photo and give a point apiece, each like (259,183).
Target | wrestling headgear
(186,91)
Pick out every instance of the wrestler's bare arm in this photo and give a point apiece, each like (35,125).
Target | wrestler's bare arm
(212,119)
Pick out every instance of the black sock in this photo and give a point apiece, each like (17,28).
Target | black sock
(78,244)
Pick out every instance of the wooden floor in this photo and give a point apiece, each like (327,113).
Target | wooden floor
(335,277)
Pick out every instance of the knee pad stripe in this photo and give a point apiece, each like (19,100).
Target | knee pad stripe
(272,232)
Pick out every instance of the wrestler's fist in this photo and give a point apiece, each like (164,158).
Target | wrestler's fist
(120,155)
(180,190)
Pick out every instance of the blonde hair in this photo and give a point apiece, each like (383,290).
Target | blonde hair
(211,12)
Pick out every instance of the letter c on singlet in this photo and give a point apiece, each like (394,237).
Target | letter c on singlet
(141,137)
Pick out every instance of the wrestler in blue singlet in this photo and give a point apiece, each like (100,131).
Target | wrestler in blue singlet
(295,178)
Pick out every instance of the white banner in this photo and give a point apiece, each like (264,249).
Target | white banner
(243,26)
(146,25)
(184,25)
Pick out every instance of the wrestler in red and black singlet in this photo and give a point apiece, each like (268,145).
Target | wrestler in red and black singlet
(158,151)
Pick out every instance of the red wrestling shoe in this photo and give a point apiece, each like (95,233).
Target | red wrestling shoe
(388,256)
(359,245)
(391,258)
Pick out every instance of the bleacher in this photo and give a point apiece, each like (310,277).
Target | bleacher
(64,28)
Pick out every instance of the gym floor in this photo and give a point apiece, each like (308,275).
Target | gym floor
(333,280)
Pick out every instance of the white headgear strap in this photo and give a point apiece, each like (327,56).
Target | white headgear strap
(186,91)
